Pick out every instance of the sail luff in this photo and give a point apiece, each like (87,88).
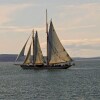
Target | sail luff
(28,56)
(57,53)
(23,50)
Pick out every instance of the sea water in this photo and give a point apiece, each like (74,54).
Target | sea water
(79,82)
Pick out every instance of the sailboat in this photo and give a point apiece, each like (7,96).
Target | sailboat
(57,56)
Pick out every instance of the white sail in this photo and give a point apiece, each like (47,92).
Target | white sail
(22,51)
(28,56)
(38,56)
(56,52)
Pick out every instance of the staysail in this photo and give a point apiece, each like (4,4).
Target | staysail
(22,51)
(56,52)
(28,59)
(38,56)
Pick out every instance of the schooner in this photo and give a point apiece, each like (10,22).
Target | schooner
(57,57)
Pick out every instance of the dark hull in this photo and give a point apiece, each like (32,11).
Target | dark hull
(45,67)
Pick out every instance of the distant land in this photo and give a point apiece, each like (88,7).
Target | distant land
(12,57)
(7,57)
(91,58)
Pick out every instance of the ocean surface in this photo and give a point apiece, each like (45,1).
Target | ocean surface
(79,82)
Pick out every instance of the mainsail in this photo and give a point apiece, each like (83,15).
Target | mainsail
(56,52)
(38,56)
(28,59)
(22,51)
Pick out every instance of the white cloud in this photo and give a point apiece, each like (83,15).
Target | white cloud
(82,42)
(76,27)
(20,29)
(80,15)
(83,47)
(79,47)
(7,10)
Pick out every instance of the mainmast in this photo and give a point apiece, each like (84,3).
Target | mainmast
(47,37)
(33,45)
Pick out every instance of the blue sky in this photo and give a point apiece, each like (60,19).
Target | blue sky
(77,23)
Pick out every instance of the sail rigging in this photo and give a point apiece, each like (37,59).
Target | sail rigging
(57,53)
(38,56)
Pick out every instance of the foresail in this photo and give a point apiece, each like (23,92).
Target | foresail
(56,52)
(28,56)
(22,51)
(38,56)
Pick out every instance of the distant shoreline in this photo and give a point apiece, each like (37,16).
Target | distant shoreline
(12,57)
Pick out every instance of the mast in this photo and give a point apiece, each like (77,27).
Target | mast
(47,37)
(33,45)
